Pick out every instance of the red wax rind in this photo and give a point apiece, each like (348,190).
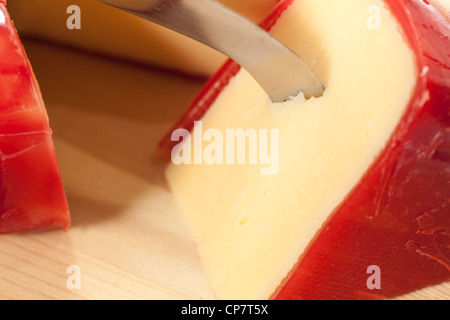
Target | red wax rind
(398,216)
(32,196)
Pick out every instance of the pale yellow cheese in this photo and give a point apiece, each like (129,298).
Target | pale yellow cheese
(252,228)
(110,31)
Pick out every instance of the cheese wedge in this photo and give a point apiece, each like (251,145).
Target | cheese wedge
(253,229)
(111,32)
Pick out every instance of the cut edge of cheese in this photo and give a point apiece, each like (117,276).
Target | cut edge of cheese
(251,229)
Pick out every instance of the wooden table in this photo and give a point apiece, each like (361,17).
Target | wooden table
(127,238)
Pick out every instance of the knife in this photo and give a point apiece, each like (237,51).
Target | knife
(277,69)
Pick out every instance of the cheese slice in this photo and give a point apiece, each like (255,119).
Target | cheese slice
(252,228)
(119,34)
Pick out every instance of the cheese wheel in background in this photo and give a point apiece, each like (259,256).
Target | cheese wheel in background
(115,33)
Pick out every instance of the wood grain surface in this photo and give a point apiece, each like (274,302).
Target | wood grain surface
(127,238)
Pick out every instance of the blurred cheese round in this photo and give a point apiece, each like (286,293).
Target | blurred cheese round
(111,32)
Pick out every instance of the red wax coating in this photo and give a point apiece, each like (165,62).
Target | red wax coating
(398,217)
(32,196)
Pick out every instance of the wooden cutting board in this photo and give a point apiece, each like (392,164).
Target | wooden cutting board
(127,239)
